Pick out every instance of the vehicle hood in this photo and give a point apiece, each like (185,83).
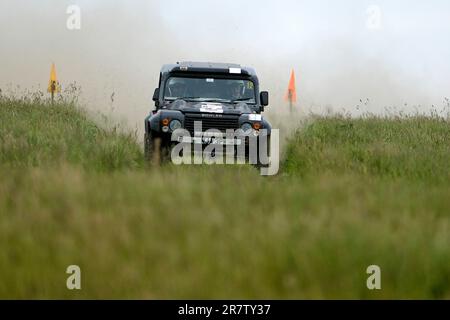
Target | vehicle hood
(209,107)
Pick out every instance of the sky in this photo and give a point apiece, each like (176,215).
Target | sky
(391,53)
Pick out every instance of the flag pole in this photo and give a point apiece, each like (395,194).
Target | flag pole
(290,101)
(53,87)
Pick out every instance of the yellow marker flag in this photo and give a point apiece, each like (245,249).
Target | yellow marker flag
(53,84)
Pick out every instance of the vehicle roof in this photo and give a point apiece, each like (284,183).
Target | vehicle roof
(208,67)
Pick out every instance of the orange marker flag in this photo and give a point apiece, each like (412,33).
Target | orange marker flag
(291,94)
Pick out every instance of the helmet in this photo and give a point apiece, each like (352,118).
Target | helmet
(235,83)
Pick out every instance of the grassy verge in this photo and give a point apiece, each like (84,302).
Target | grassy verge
(351,193)
(36,134)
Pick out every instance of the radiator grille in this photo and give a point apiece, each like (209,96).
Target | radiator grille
(222,122)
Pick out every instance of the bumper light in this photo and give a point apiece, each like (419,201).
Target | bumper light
(257,125)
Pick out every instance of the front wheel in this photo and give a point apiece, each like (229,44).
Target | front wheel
(148,146)
(264,161)
(156,149)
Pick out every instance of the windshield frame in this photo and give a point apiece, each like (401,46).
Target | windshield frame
(254,102)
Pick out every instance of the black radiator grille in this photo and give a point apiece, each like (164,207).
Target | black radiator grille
(211,121)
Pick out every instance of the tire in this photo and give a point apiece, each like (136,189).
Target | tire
(156,150)
(260,164)
(148,146)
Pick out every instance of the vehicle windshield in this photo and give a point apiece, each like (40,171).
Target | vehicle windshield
(210,89)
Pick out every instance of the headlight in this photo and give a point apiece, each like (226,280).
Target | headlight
(175,124)
(246,128)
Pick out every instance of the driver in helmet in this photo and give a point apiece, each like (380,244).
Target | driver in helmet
(177,88)
(236,89)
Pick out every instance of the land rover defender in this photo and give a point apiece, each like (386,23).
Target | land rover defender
(199,97)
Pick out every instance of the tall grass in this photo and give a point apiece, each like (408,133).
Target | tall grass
(38,133)
(351,193)
(410,147)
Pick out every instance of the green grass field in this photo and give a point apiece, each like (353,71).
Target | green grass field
(350,193)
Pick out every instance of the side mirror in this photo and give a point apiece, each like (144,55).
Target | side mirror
(264,97)
(156,95)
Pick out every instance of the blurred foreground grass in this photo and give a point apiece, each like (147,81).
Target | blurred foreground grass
(350,193)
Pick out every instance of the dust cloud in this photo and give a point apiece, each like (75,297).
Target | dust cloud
(341,64)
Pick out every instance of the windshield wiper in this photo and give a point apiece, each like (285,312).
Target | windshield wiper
(180,98)
(188,98)
(241,99)
(206,99)
(215,99)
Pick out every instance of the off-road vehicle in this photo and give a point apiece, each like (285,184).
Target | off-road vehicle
(218,96)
